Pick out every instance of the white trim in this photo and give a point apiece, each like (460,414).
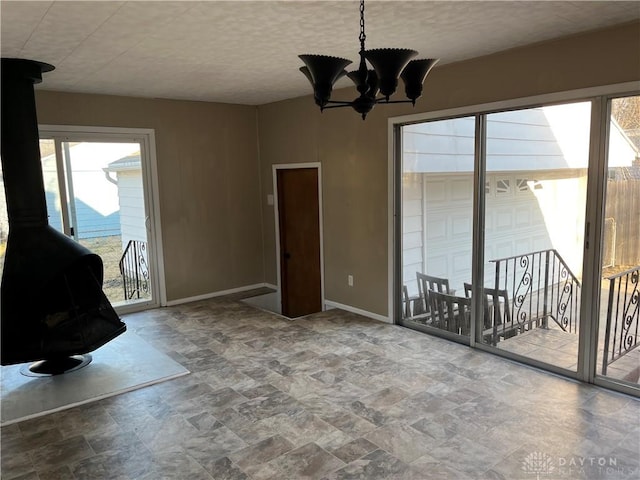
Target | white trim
(276,216)
(523,102)
(145,137)
(125,308)
(364,313)
(272,286)
(118,132)
(156,225)
(221,293)
(391,181)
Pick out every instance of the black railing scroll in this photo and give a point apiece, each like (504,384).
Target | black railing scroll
(134,270)
(623,311)
(543,287)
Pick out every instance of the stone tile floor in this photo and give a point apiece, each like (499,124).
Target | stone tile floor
(329,396)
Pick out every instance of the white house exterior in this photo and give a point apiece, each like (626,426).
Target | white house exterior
(128,179)
(94,203)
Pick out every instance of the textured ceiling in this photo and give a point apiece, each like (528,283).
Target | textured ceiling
(246,52)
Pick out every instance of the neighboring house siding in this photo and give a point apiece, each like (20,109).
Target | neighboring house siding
(92,224)
(132,213)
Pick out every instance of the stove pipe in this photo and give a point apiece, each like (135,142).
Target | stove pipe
(52,303)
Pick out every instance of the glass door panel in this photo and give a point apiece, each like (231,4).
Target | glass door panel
(437,221)
(51,184)
(105,210)
(536,179)
(618,334)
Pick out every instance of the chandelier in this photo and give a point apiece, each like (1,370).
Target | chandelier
(389,64)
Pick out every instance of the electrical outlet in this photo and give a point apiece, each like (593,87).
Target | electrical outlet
(350,280)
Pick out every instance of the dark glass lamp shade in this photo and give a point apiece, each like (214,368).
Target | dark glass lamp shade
(323,72)
(388,63)
(413,77)
(367,86)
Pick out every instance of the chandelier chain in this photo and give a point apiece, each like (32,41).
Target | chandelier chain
(363,37)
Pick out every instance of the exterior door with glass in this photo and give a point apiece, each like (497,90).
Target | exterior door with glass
(522,178)
(96,193)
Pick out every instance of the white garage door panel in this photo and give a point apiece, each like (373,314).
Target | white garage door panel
(435,192)
(461,190)
(502,250)
(436,228)
(504,218)
(514,225)
(523,215)
(461,226)
(523,245)
(437,265)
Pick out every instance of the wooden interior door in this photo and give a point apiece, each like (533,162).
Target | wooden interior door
(299,226)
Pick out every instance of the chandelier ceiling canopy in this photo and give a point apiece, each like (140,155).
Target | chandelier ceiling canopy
(374,85)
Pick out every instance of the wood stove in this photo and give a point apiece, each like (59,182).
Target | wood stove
(53,309)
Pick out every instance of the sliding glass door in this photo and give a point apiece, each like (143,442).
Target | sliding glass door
(528,178)
(619,330)
(535,201)
(96,193)
(437,220)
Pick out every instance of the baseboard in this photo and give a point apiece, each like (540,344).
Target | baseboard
(180,301)
(364,313)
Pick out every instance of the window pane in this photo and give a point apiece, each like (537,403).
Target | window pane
(51,186)
(437,222)
(618,353)
(537,159)
(107,214)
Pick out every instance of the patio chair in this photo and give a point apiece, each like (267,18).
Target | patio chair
(412,306)
(450,313)
(429,283)
(497,315)
(406,311)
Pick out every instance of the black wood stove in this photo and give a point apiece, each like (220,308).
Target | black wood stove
(53,310)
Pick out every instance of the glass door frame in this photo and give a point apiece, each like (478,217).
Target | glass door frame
(146,139)
(593,229)
(596,205)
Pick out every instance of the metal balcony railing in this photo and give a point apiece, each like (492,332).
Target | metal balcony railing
(542,287)
(623,310)
(134,270)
